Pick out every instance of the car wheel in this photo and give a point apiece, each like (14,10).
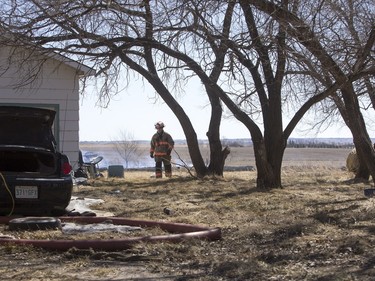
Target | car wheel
(34,223)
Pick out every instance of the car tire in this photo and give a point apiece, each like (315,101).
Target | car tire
(34,223)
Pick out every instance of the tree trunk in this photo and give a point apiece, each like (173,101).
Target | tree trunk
(361,139)
(217,162)
(362,172)
(365,156)
(268,168)
(192,142)
(217,155)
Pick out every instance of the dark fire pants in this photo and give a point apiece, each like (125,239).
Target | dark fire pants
(167,168)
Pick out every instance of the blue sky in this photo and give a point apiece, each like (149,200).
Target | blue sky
(135,111)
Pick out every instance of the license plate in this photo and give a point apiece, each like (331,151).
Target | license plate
(28,192)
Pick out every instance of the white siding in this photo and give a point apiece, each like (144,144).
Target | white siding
(55,85)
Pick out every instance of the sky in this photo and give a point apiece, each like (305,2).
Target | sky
(135,112)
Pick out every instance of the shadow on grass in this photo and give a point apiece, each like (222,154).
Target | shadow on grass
(337,202)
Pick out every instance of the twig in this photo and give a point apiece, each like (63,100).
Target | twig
(184,165)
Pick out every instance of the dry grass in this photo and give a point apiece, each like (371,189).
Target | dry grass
(319,227)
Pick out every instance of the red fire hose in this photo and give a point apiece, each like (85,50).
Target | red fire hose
(178,232)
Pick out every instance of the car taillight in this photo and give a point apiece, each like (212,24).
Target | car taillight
(66,168)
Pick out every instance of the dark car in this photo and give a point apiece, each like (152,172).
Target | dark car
(35,178)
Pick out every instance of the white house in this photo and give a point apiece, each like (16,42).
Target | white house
(30,78)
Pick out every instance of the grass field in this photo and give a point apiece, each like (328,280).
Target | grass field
(320,226)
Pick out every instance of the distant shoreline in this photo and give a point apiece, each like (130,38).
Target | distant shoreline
(247,142)
(240,156)
(332,139)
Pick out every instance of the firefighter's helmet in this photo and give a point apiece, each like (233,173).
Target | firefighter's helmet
(159,125)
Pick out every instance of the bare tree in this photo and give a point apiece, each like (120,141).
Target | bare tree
(99,34)
(244,59)
(127,148)
(341,64)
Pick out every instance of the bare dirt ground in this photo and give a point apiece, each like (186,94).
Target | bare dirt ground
(320,226)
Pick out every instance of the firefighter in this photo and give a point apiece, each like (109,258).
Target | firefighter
(161,148)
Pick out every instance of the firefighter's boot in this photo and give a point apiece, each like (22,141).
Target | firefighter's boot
(168,171)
